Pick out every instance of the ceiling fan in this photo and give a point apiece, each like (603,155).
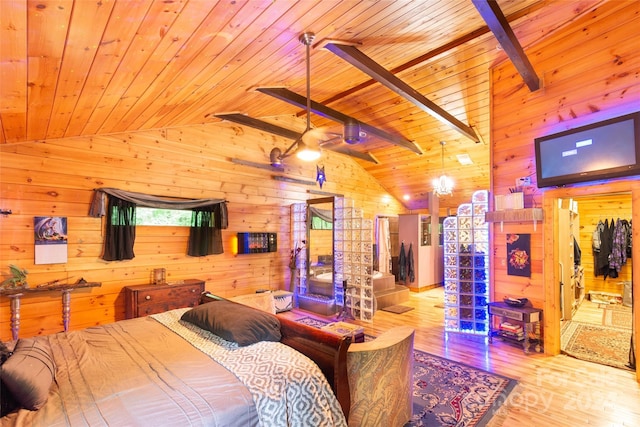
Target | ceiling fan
(308,144)
(352,131)
(330,143)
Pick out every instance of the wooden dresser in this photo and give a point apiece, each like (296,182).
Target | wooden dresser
(142,300)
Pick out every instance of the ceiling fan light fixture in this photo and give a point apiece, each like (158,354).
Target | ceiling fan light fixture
(307,153)
(443,186)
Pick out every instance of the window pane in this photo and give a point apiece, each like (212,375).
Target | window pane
(150,216)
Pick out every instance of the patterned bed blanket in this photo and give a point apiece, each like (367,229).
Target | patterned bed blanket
(287,387)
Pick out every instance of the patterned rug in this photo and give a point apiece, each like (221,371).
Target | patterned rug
(448,393)
(605,345)
(617,315)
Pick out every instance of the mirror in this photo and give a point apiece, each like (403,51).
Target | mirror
(320,241)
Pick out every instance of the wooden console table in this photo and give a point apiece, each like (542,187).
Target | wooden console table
(528,317)
(15,294)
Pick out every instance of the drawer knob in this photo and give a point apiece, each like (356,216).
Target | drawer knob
(148,297)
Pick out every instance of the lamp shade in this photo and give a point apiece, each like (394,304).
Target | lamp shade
(307,153)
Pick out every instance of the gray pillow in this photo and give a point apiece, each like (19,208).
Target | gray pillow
(235,322)
(29,372)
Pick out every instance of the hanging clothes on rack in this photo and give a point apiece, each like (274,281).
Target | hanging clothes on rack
(629,240)
(618,256)
(606,242)
(411,272)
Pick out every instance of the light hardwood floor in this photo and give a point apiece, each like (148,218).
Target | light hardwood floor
(551,390)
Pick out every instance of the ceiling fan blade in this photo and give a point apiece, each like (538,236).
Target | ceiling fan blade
(344,149)
(293,98)
(259,124)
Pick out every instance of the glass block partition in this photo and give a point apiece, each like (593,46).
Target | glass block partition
(466,267)
(352,252)
(298,235)
(353,255)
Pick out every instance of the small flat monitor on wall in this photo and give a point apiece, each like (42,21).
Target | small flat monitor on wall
(602,150)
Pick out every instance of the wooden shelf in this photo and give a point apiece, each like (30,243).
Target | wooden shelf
(48,288)
(515,215)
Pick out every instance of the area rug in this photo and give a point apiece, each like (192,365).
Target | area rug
(397,309)
(617,315)
(605,345)
(448,393)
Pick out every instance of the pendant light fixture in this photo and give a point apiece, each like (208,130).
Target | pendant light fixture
(443,186)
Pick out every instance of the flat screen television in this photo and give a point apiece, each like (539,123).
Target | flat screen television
(602,150)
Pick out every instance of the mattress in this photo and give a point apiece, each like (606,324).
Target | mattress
(148,371)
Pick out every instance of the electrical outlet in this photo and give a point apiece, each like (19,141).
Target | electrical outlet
(525,181)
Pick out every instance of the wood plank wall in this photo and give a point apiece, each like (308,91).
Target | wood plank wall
(590,72)
(56,178)
(592,210)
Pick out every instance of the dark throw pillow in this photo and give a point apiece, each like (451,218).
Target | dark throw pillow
(235,322)
(7,403)
(29,372)
(4,352)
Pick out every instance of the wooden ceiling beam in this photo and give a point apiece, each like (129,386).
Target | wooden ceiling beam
(368,66)
(495,19)
(466,38)
(293,98)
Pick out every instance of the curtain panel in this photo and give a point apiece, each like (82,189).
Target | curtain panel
(121,230)
(209,217)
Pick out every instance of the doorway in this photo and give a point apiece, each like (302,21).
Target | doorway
(594,277)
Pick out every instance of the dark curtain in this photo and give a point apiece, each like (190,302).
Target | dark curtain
(121,230)
(205,234)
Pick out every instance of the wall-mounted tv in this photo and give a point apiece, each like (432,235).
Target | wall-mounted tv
(602,150)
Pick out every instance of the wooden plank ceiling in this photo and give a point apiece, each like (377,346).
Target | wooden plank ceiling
(71,68)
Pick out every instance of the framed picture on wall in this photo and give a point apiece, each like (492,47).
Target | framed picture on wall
(50,233)
(519,255)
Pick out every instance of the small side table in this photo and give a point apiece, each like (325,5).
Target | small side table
(528,317)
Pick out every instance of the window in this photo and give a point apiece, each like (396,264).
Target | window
(152,216)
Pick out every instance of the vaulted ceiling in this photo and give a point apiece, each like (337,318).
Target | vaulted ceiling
(71,68)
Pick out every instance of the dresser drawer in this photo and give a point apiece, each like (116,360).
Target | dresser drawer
(150,299)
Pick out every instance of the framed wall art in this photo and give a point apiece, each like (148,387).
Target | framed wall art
(50,233)
(519,255)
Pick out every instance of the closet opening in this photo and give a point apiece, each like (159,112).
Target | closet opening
(595,270)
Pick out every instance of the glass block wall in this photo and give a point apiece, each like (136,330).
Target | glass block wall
(353,255)
(352,252)
(466,267)
(298,235)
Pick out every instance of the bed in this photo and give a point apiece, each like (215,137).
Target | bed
(165,370)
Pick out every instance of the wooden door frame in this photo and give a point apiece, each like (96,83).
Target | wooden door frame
(552,321)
